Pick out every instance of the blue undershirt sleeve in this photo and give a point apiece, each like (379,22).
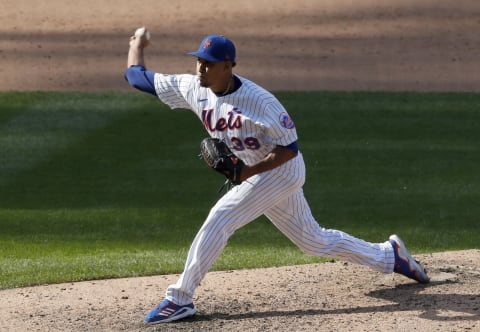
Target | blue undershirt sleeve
(141,78)
(293,146)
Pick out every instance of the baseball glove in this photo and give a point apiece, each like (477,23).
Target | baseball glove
(218,156)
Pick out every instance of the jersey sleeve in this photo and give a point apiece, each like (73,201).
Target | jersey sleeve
(175,90)
(279,128)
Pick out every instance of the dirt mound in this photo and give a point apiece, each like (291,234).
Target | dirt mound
(318,297)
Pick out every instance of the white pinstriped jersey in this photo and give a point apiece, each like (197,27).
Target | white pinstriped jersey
(250,120)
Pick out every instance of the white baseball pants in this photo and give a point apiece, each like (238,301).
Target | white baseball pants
(278,195)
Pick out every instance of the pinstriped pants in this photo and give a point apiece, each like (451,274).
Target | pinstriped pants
(278,195)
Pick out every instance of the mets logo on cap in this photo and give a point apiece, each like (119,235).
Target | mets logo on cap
(207,43)
(286,121)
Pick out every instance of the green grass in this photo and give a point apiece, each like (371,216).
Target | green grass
(99,185)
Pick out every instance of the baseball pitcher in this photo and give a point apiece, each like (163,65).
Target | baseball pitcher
(252,141)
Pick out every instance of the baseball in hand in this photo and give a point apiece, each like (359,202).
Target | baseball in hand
(143,34)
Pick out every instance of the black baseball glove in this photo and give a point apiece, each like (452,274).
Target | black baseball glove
(218,156)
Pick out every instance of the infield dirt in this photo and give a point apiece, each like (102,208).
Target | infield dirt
(283,45)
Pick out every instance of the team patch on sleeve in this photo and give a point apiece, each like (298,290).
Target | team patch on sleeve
(286,121)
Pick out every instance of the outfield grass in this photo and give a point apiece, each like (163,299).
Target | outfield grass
(97,185)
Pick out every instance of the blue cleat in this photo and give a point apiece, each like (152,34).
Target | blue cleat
(167,311)
(405,264)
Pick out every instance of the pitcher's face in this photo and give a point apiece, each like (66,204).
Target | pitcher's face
(212,74)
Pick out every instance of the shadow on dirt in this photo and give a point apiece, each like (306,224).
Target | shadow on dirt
(439,307)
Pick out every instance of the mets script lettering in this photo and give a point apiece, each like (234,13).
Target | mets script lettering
(233,121)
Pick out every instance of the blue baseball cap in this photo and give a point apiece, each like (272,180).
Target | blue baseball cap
(215,48)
